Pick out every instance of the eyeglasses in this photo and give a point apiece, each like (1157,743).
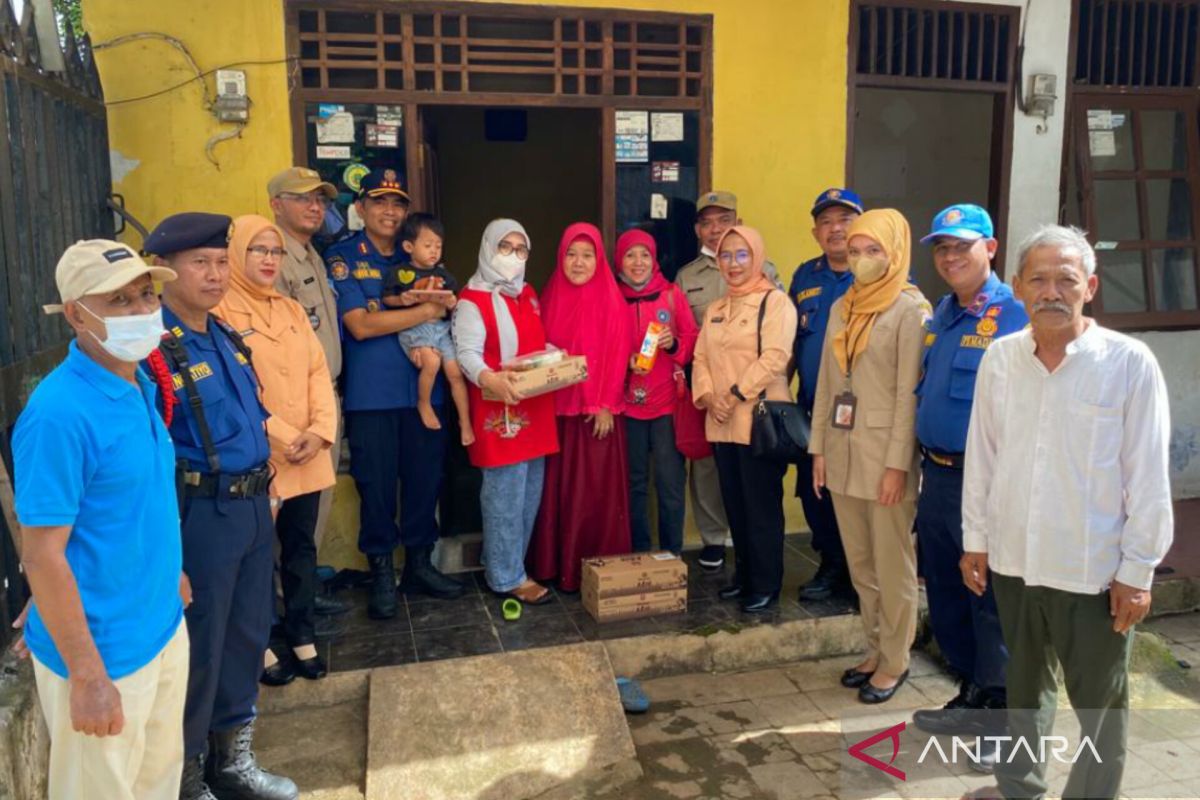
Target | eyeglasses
(956,246)
(507,249)
(306,199)
(727,257)
(262,252)
(723,221)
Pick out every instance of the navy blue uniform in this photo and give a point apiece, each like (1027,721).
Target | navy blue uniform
(966,627)
(227,538)
(815,288)
(388,443)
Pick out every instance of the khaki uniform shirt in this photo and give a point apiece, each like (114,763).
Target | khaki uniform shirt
(884,381)
(302,277)
(727,355)
(702,283)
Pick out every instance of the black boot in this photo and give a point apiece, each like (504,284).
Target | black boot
(383,587)
(420,576)
(193,787)
(236,774)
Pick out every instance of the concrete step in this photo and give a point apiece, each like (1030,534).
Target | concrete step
(543,723)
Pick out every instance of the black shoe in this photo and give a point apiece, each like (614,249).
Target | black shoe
(823,584)
(327,606)
(757,603)
(193,787)
(311,669)
(236,774)
(712,557)
(420,576)
(382,604)
(853,679)
(278,674)
(949,717)
(871,694)
(731,592)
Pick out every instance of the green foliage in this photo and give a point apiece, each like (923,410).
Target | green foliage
(70,12)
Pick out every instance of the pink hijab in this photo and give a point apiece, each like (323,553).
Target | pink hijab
(657,282)
(588,320)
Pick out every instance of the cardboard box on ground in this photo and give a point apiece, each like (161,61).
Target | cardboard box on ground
(633,586)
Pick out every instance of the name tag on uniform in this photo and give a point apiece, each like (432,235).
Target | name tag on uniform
(844,407)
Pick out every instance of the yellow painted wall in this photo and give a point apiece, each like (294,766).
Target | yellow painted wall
(779,122)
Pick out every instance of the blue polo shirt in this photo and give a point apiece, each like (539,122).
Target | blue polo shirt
(376,374)
(815,288)
(90,451)
(228,391)
(955,340)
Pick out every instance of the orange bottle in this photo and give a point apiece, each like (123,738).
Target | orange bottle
(649,349)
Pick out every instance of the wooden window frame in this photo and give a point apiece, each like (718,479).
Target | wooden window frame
(412,99)
(1001,92)
(1075,152)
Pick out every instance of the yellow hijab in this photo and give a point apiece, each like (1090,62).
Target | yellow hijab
(246,296)
(862,303)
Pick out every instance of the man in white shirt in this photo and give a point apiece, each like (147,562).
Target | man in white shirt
(1067,507)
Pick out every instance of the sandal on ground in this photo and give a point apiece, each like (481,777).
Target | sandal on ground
(531,593)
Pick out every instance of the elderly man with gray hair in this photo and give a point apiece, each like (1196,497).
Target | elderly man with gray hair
(1067,508)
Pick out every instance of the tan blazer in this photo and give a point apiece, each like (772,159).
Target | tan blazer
(884,381)
(727,354)
(296,388)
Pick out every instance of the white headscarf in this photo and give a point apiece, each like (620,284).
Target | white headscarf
(487,279)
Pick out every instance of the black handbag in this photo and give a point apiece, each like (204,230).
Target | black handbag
(779,429)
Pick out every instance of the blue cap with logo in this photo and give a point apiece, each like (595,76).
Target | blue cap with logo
(837,197)
(961,221)
(186,231)
(379,182)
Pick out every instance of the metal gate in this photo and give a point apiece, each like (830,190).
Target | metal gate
(54,186)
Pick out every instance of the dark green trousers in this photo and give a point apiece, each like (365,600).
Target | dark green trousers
(1044,627)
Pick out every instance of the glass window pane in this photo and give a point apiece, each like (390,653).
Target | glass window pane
(1164,139)
(1174,279)
(1122,286)
(1116,209)
(1110,138)
(1170,206)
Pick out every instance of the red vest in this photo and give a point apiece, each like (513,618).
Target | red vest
(512,434)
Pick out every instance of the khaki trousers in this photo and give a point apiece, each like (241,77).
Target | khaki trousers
(143,762)
(707,508)
(883,568)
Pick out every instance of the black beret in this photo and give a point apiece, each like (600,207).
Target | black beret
(186,231)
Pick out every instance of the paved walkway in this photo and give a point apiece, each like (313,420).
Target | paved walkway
(775,734)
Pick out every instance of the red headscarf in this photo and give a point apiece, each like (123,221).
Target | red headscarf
(588,320)
(626,242)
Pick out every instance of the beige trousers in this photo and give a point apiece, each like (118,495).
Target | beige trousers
(707,507)
(143,762)
(883,568)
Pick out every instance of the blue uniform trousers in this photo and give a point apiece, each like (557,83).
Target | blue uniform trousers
(966,627)
(389,446)
(227,555)
(818,513)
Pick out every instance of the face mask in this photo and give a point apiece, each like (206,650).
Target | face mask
(130,338)
(868,269)
(509,267)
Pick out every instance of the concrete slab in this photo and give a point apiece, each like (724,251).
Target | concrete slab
(511,726)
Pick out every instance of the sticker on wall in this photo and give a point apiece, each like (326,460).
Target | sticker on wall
(1102,144)
(337,128)
(666,127)
(333,151)
(633,148)
(1100,119)
(352,176)
(633,122)
(329,109)
(389,115)
(658,206)
(382,135)
(1106,245)
(664,172)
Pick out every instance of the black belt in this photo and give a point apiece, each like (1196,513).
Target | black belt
(950,460)
(250,484)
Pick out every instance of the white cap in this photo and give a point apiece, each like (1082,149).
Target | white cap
(96,266)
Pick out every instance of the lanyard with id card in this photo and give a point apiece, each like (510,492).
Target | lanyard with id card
(845,405)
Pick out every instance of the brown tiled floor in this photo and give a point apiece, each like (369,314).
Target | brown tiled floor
(426,629)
